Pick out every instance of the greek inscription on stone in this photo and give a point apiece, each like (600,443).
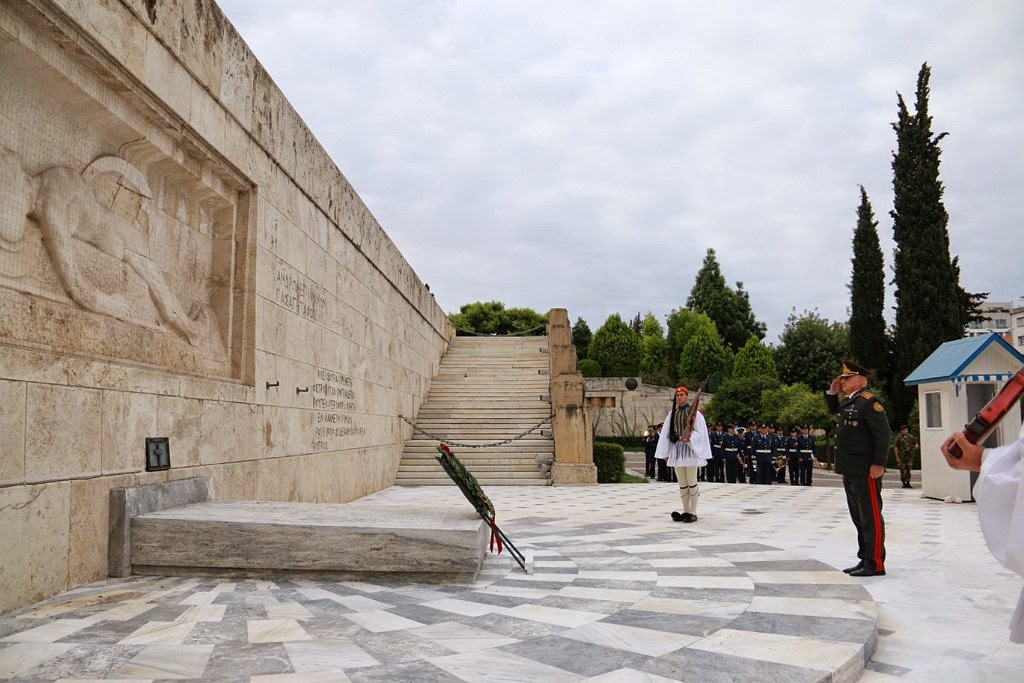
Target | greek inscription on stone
(299,294)
(334,400)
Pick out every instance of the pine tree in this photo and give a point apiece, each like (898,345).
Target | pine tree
(869,343)
(931,307)
(729,309)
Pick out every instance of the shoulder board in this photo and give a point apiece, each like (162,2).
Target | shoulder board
(867,394)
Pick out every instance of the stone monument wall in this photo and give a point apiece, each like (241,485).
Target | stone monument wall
(180,258)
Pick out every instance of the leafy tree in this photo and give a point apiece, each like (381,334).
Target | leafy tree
(738,400)
(581,336)
(728,308)
(682,324)
(493,318)
(754,360)
(653,345)
(931,307)
(588,367)
(703,355)
(795,404)
(616,348)
(869,343)
(810,350)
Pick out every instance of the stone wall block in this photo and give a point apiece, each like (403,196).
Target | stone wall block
(33,571)
(218,441)
(12,426)
(166,75)
(65,435)
(238,78)
(180,420)
(127,420)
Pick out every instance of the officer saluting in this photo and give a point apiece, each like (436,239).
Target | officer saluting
(862,438)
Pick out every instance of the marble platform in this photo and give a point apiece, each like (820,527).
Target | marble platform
(751,592)
(441,539)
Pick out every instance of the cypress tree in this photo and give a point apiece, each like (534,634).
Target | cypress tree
(869,342)
(931,307)
(729,309)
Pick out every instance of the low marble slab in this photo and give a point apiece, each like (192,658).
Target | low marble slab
(367,537)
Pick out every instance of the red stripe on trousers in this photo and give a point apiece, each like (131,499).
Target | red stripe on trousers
(876,519)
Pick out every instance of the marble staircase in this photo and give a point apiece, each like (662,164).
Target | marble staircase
(487,390)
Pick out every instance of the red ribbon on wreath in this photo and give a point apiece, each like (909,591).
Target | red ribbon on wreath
(495,536)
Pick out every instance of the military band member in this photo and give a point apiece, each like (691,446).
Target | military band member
(762,453)
(792,458)
(805,450)
(732,448)
(748,437)
(779,457)
(862,440)
(715,469)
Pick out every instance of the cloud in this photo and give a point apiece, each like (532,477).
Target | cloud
(585,155)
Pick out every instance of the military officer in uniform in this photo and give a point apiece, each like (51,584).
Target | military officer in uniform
(906,447)
(805,455)
(762,453)
(714,468)
(732,447)
(748,437)
(862,440)
(792,458)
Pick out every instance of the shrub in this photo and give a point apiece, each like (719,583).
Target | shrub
(628,442)
(610,461)
(589,368)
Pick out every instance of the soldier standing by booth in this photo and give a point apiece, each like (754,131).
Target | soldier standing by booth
(906,447)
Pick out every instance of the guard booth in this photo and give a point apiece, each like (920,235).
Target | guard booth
(953,384)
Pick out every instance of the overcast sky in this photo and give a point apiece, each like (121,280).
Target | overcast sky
(585,154)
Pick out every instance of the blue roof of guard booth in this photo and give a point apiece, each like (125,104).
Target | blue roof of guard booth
(949,361)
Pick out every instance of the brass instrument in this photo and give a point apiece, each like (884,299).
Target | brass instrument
(780,463)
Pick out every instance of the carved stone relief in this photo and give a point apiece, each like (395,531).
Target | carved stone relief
(116,240)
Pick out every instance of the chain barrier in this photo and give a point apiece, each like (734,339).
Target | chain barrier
(478,445)
(524,333)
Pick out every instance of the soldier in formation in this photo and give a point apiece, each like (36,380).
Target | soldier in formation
(805,453)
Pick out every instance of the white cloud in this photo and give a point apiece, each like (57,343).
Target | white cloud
(586,154)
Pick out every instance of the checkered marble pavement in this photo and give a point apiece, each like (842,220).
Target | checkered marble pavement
(619,593)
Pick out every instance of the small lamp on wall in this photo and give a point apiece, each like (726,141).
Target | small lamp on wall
(158,453)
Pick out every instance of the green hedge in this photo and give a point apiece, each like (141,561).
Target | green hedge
(589,368)
(610,461)
(629,443)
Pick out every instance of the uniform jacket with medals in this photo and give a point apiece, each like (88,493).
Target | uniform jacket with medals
(862,432)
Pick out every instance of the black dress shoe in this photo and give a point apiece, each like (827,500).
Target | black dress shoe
(676,517)
(864,571)
(689,517)
(854,568)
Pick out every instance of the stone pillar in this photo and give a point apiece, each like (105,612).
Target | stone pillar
(570,425)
